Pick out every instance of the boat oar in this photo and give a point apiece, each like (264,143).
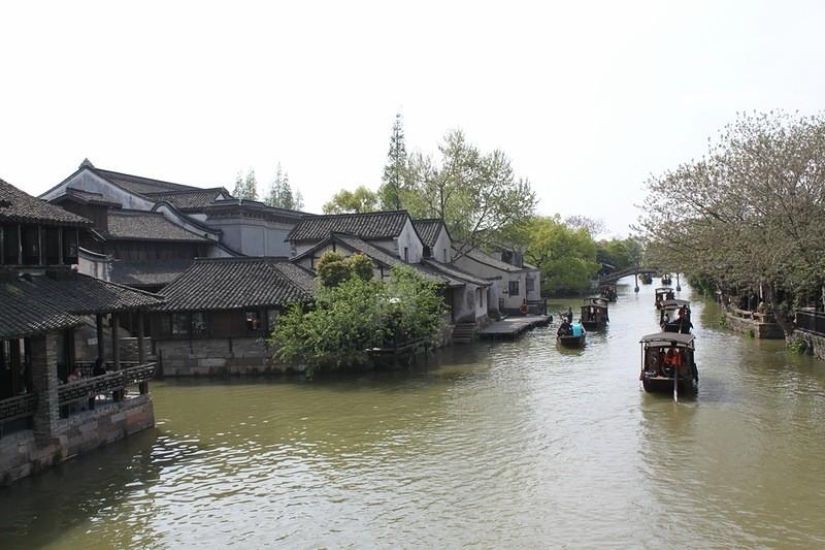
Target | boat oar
(676,383)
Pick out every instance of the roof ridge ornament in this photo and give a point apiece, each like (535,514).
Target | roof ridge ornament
(86,164)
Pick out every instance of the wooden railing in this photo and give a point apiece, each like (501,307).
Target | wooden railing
(25,405)
(105,383)
(811,321)
(20,406)
(752,315)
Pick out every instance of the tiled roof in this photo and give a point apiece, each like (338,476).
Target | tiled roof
(379,255)
(89,198)
(141,185)
(237,283)
(41,303)
(454,272)
(194,199)
(484,258)
(136,225)
(20,207)
(368,226)
(428,230)
(143,274)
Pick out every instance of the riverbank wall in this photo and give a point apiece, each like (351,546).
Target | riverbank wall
(755,324)
(82,432)
(814,343)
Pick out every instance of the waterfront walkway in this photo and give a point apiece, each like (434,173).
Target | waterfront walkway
(513,327)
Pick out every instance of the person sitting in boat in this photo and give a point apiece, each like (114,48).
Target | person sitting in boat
(673,358)
(564,328)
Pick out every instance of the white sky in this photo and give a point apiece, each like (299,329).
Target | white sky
(587,98)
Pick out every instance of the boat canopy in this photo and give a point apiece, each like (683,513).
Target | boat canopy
(675,303)
(663,289)
(666,339)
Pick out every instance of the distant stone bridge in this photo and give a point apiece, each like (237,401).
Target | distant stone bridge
(614,276)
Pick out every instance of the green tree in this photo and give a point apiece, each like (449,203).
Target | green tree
(396,173)
(566,256)
(351,318)
(352,202)
(749,214)
(281,194)
(477,195)
(246,188)
(620,253)
(334,268)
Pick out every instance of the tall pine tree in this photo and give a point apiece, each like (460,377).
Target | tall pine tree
(396,169)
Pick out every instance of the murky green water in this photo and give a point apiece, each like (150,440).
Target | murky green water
(511,445)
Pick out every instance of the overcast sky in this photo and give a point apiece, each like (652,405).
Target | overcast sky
(587,98)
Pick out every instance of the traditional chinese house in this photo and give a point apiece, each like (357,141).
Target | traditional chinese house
(219,313)
(46,415)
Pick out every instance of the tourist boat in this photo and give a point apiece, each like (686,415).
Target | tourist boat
(674,316)
(668,363)
(571,335)
(645,278)
(666,280)
(661,294)
(594,313)
(609,292)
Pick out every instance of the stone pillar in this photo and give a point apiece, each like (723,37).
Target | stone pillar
(143,387)
(140,339)
(101,348)
(44,378)
(115,347)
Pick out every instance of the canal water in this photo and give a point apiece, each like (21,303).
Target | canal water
(505,445)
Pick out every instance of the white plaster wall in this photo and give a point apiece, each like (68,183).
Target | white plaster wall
(534,294)
(91,182)
(443,243)
(408,238)
(98,269)
(254,237)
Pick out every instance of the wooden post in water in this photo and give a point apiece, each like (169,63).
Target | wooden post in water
(636,278)
(678,286)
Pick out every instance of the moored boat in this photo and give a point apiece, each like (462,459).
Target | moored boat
(666,280)
(668,363)
(645,278)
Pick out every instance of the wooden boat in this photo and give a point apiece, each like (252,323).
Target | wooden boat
(661,294)
(668,364)
(645,278)
(674,316)
(666,280)
(571,335)
(594,313)
(609,292)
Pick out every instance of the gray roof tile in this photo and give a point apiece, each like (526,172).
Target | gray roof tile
(194,199)
(42,303)
(20,207)
(428,230)
(237,283)
(368,226)
(143,274)
(135,225)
